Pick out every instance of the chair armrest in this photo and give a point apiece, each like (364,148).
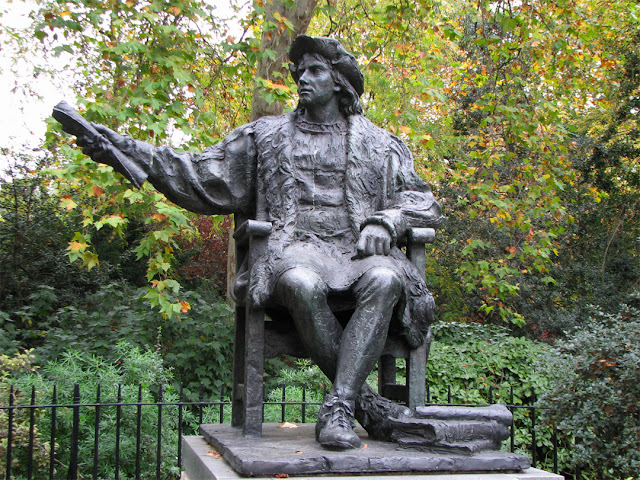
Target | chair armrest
(421,235)
(416,240)
(252,228)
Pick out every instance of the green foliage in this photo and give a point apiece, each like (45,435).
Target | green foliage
(12,367)
(48,303)
(471,363)
(152,69)
(290,376)
(133,369)
(500,103)
(471,358)
(594,394)
(35,274)
(197,345)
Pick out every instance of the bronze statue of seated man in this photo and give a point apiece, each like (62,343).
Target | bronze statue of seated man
(341,194)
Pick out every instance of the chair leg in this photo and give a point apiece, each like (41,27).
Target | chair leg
(238,395)
(416,367)
(386,372)
(253,373)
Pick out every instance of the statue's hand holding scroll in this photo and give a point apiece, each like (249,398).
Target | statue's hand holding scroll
(98,147)
(101,143)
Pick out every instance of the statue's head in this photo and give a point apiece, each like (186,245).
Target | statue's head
(343,67)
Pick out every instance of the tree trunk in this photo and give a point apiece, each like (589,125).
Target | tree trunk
(279,40)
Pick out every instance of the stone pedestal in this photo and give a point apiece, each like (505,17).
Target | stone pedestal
(223,453)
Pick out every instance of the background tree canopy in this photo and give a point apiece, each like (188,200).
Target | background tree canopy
(523,116)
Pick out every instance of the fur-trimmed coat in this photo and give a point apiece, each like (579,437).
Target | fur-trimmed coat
(250,173)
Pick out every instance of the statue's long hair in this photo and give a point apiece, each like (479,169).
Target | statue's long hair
(349,98)
(349,101)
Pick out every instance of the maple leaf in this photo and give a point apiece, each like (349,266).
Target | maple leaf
(68,203)
(75,246)
(97,191)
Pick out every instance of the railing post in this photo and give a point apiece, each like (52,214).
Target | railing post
(52,440)
(10,434)
(138,431)
(32,425)
(159,445)
(513,422)
(221,418)
(118,420)
(304,404)
(283,406)
(96,435)
(75,434)
(555,449)
(201,399)
(180,428)
(578,475)
(534,456)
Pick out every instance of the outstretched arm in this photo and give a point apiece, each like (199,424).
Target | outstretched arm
(216,181)
(125,155)
(100,143)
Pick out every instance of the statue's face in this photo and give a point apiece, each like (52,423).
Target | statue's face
(316,86)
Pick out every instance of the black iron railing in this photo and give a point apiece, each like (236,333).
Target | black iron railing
(86,439)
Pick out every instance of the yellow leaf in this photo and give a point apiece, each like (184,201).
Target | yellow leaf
(90,260)
(68,203)
(77,246)
(288,425)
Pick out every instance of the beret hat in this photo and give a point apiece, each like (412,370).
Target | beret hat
(333,51)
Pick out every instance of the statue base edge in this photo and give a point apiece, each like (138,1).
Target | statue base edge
(294,451)
(201,461)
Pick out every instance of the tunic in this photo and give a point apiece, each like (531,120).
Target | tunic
(323,240)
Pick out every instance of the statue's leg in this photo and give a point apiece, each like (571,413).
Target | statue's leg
(345,357)
(364,337)
(304,294)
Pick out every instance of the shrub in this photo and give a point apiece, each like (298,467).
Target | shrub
(197,345)
(11,368)
(472,358)
(595,394)
(479,363)
(135,373)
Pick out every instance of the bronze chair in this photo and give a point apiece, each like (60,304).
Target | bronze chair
(255,339)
